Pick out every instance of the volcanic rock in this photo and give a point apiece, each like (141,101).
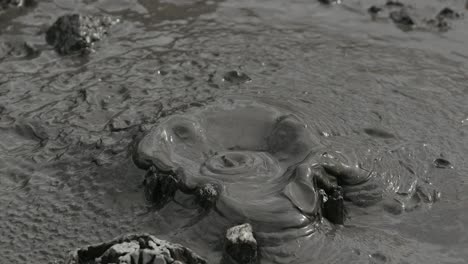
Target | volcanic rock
(135,248)
(73,33)
(241,245)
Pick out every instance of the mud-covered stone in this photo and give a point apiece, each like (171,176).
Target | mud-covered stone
(74,33)
(241,245)
(135,248)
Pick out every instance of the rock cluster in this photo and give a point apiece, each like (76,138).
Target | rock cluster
(75,33)
(136,248)
(404,17)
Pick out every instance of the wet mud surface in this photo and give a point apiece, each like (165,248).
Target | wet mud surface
(352,87)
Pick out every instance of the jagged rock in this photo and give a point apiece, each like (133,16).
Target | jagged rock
(241,245)
(77,33)
(135,248)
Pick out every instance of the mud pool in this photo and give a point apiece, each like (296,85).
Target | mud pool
(70,125)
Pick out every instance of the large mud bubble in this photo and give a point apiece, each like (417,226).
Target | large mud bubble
(266,162)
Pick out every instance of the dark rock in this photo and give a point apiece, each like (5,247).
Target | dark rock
(442,163)
(391,3)
(241,245)
(329,2)
(448,13)
(137,248)
(160,187)
(207,195)
(374,10)
(402,19)
(333,207)
(236,77)
(77,33)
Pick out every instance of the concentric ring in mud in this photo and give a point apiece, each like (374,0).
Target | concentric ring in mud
(266,164)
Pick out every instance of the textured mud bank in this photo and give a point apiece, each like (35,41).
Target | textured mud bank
(233,131)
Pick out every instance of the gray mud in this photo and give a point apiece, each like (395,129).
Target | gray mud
(366,90)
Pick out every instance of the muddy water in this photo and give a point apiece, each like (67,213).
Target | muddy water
(68,124)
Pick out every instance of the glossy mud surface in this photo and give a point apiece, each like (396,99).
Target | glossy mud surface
(68,124)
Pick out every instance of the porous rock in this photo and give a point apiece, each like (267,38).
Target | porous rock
(135,248)
(241,245)
(74,33)
(207,195)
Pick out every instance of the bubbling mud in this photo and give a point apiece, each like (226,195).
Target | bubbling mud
(271,168)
